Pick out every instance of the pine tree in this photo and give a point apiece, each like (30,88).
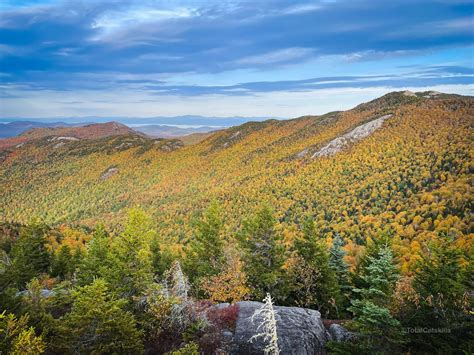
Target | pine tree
(37,305)
(443,303)
(338,264)
(130,269)
(30,258)
(17,338)
(98,324)
(264,254)
(314,281)
(161,259)
(378,330)
(64,263)
(95,261)
(205,255)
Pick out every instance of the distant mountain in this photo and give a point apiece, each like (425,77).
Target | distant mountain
(90,131)
(165,131)
(187,120)
(12,129)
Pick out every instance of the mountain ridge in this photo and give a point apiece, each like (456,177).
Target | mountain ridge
(88,131)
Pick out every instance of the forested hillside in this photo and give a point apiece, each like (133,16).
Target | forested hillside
(375,201)
(67,133)
(411,177)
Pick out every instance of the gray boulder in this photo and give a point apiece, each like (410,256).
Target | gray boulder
(339,333)
(300,331)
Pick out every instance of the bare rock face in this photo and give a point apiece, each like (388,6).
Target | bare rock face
(358,133)
(109,173)
(409,93)
(300,331)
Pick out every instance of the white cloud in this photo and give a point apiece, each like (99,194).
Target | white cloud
(301,9)
(465,23)
(114,20)
(130,103)
(279,56)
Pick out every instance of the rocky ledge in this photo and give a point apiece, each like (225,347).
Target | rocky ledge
(300,331)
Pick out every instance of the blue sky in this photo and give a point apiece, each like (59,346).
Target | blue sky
(271,58)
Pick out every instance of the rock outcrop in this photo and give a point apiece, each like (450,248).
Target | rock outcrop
(358,133)
(109,173)
(300,331)
(339,333)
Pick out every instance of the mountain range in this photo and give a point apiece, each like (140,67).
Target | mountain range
(11,126)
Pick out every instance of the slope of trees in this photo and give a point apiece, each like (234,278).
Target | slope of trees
(412,177)
(113,299)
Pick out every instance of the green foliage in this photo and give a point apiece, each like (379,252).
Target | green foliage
(264,255)
(189,349)
(378,330)
(205,255)
(373,246)
(314,281)
(37,305)
(131,270)
(161,258)
(98,324)
(17,338)
(65,262)
(443,304)
(95,261)
(341,268)
(30,258)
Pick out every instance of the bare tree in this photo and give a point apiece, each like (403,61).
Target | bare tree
(267,329)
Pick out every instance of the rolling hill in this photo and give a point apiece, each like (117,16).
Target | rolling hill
(167,131)
(12,129)
(400,164)
(68,133)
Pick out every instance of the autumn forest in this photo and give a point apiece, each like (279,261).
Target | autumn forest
(126,244)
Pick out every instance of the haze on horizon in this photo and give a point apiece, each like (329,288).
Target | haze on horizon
(226,58)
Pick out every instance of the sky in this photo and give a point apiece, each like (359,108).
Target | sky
(259,58)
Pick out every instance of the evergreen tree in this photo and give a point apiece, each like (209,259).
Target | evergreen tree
(378,330)
(98,324)
(17,338)
(161,258)
(205,255)
(314,281)
(130,269)
(37,304)
(373,247)
(264,255)
(64,263)
(30,258)
(8,287)
(443,304)
(340,267)
(95,261)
